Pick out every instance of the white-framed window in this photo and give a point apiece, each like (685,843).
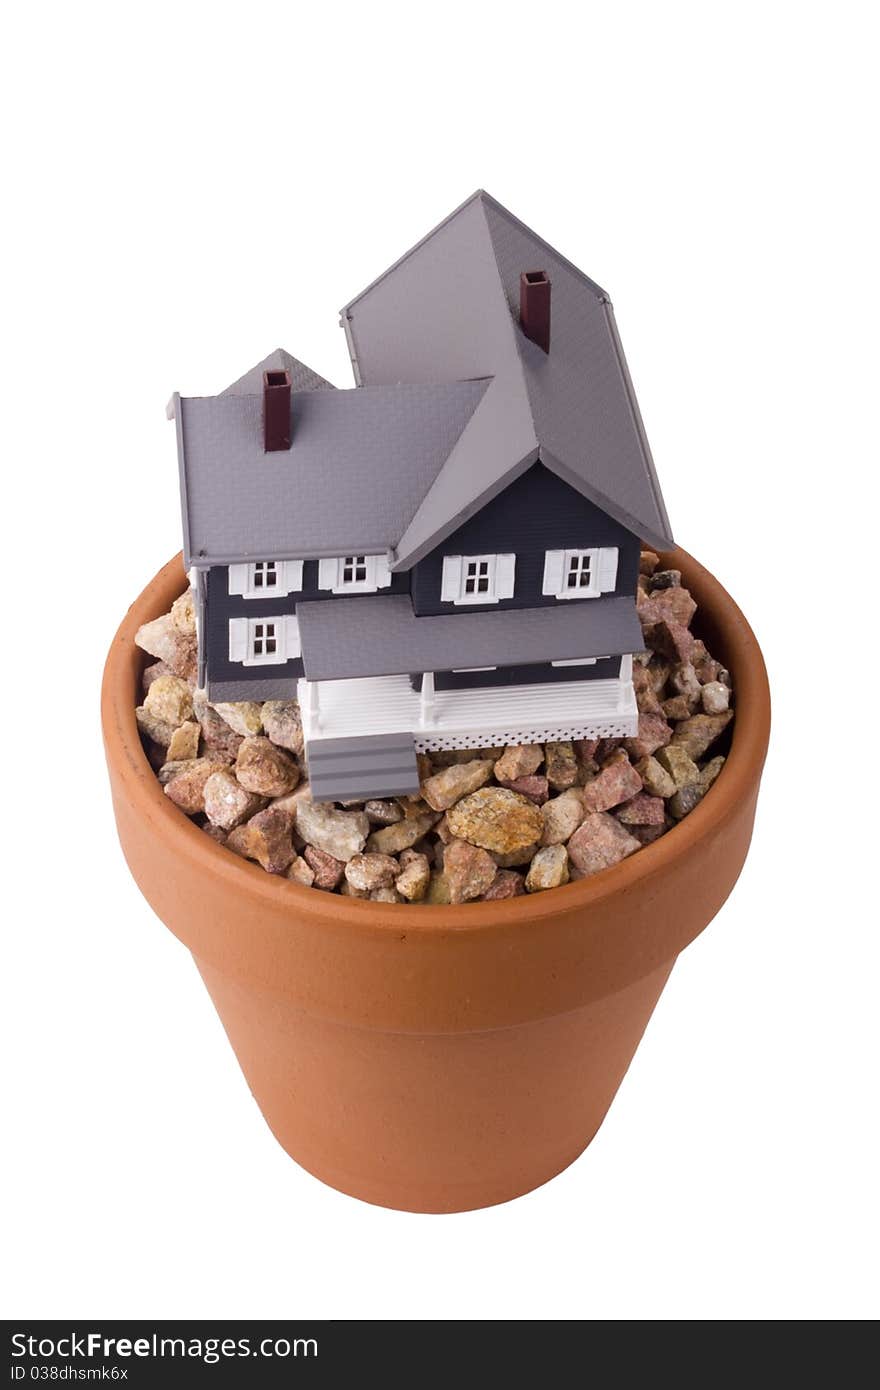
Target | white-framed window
(580,573)
(266,578)
(477,578)
(354,574)
(265,641)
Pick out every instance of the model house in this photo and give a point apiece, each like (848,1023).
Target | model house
(446,554)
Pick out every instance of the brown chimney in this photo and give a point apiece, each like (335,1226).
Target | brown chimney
(276,411)
(534,306)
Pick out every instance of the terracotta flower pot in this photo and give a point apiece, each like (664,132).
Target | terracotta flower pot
(437,1058)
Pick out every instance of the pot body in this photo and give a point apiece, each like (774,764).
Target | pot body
(429,1058)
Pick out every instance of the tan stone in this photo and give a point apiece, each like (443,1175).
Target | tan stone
(497,819)
(561,767)
(371,871)
(185,782)
(562,815)
(341,834)
(391,839)
(657,781)
(444,788)
(282,723)
(469,871)
(548,869)
(244,717)
(699,732)
(184,742)
(414,877)
(680,765)
(266,838)
(227,802)
(519,760)
(263,768)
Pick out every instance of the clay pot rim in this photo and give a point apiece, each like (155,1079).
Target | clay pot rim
(748,750)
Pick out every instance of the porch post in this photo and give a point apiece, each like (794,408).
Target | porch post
(427,702)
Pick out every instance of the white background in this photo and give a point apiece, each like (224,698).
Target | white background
(190,186)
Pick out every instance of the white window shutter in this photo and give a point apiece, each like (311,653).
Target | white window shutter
(554,563)
(238,579)
(381,574)
(328,573)
(238,639)
(451,585)
(292,646)
(607,569)
(505,569)
(291,576)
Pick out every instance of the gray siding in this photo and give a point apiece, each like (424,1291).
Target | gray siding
(536,513)
(220,606)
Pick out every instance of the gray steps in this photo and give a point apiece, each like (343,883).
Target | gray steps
(348,769)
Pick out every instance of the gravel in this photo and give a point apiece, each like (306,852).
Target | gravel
(488,823)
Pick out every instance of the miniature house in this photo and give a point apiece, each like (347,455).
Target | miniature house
(445,555)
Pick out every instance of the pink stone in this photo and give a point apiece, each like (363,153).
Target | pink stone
(536,788)
(616,783)
(327,870)
(642,810)
(508,884)
(600,842)
(653,733)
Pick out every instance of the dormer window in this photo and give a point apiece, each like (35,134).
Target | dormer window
(477,578)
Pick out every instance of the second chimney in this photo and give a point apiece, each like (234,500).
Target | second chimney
(276,411)
(534,306)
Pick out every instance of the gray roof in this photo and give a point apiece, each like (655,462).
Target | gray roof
(360,463)
(449,309)
(302,378)
(380,635)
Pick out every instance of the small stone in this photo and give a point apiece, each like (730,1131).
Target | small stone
(518,760)
(261,767)
(153,672)
(561,765)
(184,742)
(301,872)
(327,872)
(648,562)
(604,749)
(215,832)
(684,801)
(680,766)
(600,842)
(683,681)
(183,613)
(676,708)
(227,802)
(670,639)
(383,812)
(216,733)
(657,781)
(244,717)
(186,785)
(339,833)
(562,816)
(615,783)
(469,871)
(653,733)
(391,839)
(282,723)
(709,773)
(162,638)
(170,699)
(536,788)
(646,695)
(707,669)
(673,605)
(498,819)
(548,869)
(664,579)
(699,732)
(642,810)
(152,727)
(266,838)
(716,697)
(452,783)
(508,884)
(442,831)
(438,894)
(413,879)
(371,871)
(385,895)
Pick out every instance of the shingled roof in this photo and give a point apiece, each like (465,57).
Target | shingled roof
(360,462)
(449,310)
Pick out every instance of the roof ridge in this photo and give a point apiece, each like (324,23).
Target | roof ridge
(597,290)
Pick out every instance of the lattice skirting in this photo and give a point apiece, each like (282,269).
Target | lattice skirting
(626,726)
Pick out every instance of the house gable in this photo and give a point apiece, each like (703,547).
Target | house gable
(536,513)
